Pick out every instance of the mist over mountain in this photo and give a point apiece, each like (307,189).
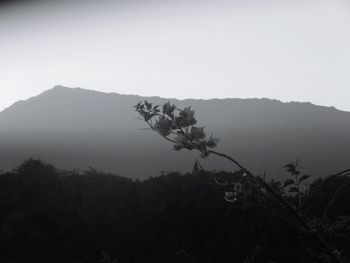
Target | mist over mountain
(77,128)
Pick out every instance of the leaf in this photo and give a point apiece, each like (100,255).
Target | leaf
(148,105)
(148,116)
(181,142)
(304,177)
(186,118)
(290,168)
(293,190)
(137,106)
(212,142)
(197,133)
(288,182)
(168,109)
(163,126)
(155,108)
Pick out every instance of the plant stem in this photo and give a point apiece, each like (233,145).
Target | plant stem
(332,201)
(325,181)
(292,211)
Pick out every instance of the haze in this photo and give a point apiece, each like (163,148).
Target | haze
(286,50)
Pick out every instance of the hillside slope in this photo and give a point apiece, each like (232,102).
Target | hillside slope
(76,128)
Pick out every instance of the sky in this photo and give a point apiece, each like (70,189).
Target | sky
(286,50)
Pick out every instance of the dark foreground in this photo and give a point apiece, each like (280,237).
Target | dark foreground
(47,215)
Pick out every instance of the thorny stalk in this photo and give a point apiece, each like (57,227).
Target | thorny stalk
(185,135)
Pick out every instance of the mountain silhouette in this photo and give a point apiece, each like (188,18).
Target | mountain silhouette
(77,128)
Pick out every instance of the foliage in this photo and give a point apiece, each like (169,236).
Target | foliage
(69,216)
(177,126)
(290,212)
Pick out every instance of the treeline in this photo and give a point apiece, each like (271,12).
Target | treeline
(49,215)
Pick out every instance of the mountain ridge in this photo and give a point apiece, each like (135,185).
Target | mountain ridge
(78,128)
(61,88)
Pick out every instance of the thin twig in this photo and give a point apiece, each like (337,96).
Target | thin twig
(268,188)
(300,222)
(332,201)
(290,209)
(324,182)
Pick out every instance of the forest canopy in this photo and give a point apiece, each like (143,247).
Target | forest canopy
(52,215)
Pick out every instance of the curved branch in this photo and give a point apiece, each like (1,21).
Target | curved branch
(290,209)
(332,201)
(262,183)
(325,181)
(268,188)
(232,160)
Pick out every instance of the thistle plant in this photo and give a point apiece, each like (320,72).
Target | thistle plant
(179,126)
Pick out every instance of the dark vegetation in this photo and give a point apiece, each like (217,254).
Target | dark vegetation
(48,215)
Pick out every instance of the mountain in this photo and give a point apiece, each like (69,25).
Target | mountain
(77,128)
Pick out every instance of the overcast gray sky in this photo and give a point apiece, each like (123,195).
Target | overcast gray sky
(287,50)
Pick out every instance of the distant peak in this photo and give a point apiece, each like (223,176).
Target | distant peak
(60,87)
(64,88)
